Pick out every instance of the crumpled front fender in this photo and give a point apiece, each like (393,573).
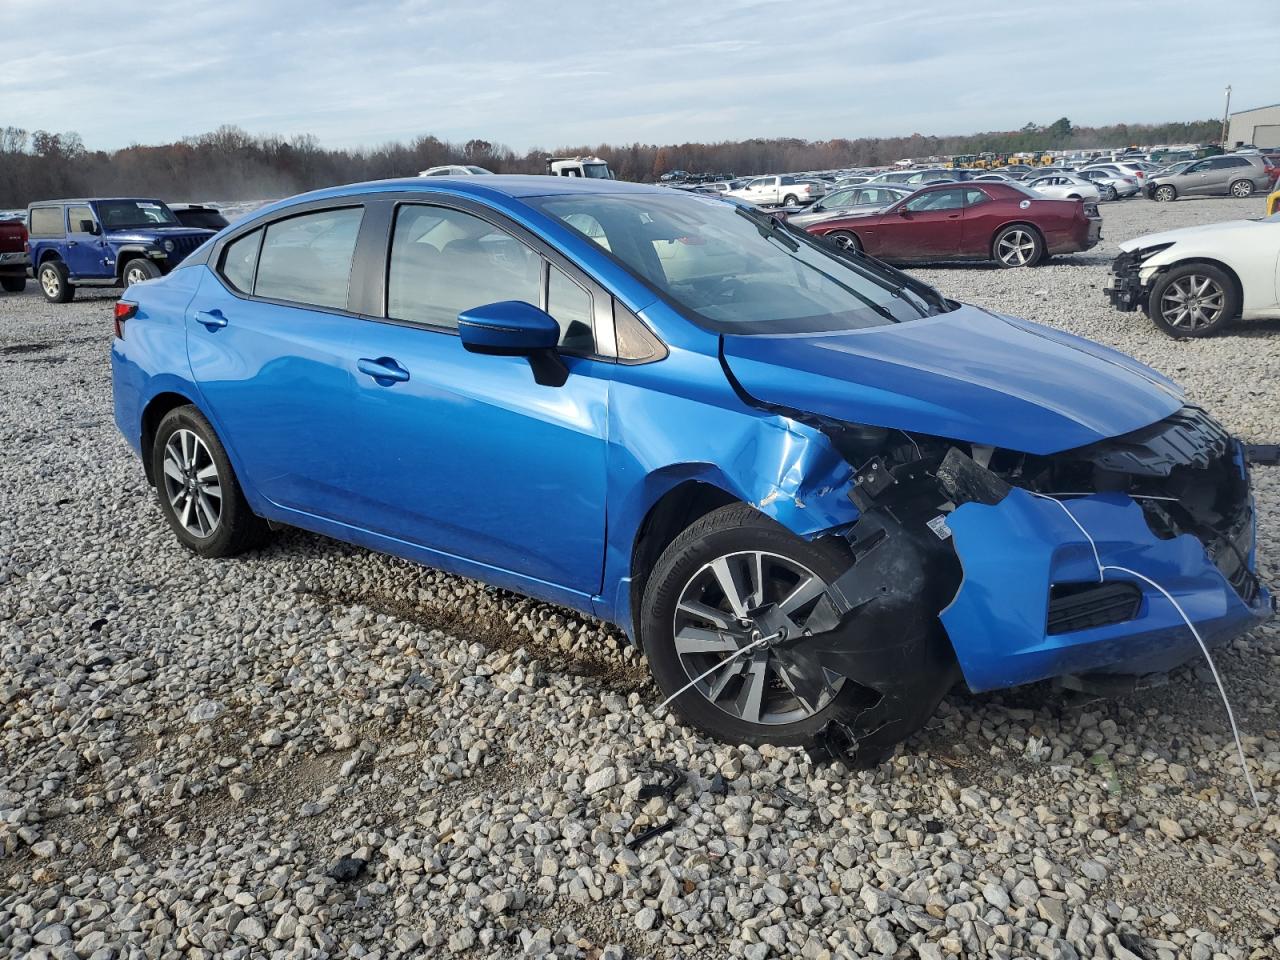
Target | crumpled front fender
(798,477)
(1012,553)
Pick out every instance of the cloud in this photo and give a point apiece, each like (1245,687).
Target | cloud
(533,72)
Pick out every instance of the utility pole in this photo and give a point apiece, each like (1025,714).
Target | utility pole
(1226,113)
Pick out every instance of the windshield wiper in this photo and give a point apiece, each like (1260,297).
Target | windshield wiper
(769,227)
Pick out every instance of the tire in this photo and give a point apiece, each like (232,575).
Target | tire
(1216,300)
(138,270)
(844,240)
(1165,193)
(1018,245)
(209,524)
(790,200)
(1110,193)
(732,535)
(13,284)
(1241,189)
(55,282)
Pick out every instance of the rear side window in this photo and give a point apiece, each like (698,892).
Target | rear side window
(446,261)
(307,259)
(46,222)
(240,261)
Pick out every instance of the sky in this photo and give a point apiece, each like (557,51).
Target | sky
(529,73)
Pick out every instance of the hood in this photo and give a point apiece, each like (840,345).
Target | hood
(146,234)
(965,375)
(1189,233)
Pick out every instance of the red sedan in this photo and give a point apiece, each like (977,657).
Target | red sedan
(983,220)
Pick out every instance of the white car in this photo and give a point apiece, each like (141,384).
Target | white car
(1112,186)
(778,191)
(1064,186)
(1193,282)
(455,170)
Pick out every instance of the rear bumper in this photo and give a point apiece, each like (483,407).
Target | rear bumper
(14,264)
(998,621)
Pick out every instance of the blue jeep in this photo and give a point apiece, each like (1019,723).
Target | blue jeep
(104,243)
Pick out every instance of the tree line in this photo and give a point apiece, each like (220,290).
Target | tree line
(230,164)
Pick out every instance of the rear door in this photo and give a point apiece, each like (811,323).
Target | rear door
(268,337)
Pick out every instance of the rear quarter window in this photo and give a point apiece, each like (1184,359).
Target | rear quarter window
(46,222)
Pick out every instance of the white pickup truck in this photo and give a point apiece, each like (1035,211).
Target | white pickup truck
(779,190)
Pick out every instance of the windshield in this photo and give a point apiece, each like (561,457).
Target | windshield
(596,171)
(739,272)
(119,214)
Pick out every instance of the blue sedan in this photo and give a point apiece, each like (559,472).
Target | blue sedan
(815,492)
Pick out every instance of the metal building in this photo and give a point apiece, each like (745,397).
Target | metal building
(1260,127)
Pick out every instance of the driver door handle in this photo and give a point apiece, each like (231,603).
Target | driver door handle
(384,370)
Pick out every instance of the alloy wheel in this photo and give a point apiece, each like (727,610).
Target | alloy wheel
(135,275)
(1241,189)
(192,484)
(1016,248)
(844,241)
(49,282)
(1164,194)
(739,599)
(1192,302)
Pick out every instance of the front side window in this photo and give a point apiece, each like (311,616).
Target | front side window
(936,200)
(733,271)
(445,261)
(307,259)
(240,261)
(75,218)
(126,214)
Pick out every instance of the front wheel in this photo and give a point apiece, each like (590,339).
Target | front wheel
(844,240)
(13,284)
(198,491)
(1241,189)
(1164,194)
(138,270)
(55,282)
(734,578)
(1196,300)
(1018,246)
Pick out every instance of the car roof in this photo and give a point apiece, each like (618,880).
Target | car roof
(50,203)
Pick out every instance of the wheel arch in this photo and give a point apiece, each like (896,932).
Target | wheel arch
(152,414)
(126,254)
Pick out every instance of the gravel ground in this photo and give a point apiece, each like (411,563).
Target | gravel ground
(189,748)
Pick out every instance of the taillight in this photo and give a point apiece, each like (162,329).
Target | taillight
(124,311)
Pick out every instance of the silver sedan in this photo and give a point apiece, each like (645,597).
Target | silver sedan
(1064,186)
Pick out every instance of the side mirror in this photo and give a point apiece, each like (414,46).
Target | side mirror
(88,226)
(902,211)
(513,328)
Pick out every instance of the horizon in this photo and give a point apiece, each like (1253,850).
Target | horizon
(531,76)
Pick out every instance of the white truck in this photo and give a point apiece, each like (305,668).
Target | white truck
(775,191)
(592,167)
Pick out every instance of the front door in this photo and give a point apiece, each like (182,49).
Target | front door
(926,226)
(86,251)
(463,453)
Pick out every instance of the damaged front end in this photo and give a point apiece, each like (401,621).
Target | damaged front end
(986,564)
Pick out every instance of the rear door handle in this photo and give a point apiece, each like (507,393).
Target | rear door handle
(384,370)
(212,319)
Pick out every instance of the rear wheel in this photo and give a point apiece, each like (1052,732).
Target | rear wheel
(732,579)
(1164,193)
(198,491)
(55,282)
(1109,193)
(790,200)
(138,270)
(1242,188)
(1195,300)
(1018,245)
(13,284)
(844,240)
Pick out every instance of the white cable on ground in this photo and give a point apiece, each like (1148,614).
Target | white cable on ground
(1102,569)
(727,660)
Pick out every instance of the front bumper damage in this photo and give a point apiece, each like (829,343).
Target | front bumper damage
(976,572)
(1124,288)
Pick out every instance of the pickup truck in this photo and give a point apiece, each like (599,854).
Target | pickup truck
(778,191)
(104,243)
(13,256)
